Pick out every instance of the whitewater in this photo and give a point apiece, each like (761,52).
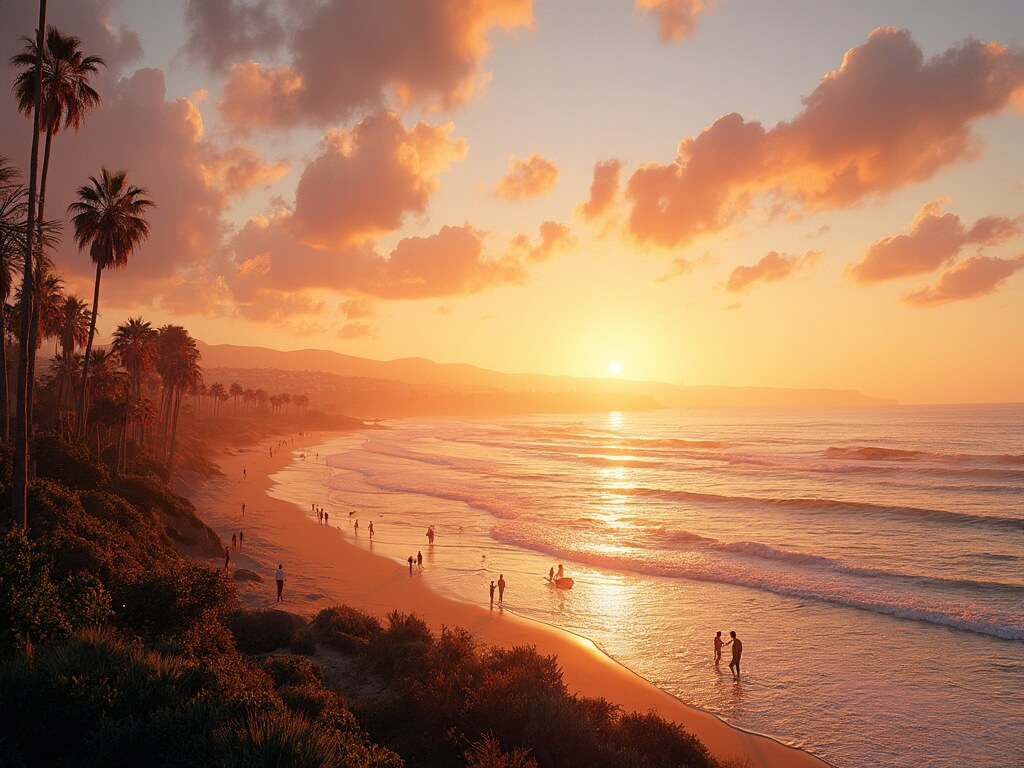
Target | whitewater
(872,561)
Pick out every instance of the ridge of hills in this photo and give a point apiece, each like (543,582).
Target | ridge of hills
(443,387)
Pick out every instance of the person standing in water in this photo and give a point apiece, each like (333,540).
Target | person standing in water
(279,577)
(492,594)
(737,651)
(371,529)
(718,646)
(419,558)
(501,588)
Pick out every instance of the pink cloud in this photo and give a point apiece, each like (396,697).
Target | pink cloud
(532,177)
(935,239)
(678,268)
(240,168)
(770,269)
(677,19)
(223,31)
(364,181)
(971,278)
(349,55)
(357,331)
(356,309)
(603,190)
(554,237)
(885,119)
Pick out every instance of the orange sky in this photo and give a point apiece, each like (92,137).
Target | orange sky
(706,192)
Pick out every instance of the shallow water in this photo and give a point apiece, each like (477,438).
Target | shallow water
(871,561)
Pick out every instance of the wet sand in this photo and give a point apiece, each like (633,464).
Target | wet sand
(323,570)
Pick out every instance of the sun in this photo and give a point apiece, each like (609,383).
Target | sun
(614,368)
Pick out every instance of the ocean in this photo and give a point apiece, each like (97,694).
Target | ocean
(871,561)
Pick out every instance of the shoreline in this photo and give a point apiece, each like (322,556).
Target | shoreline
(323,569)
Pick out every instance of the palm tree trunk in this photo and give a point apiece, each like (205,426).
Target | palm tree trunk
(5,397)
(174,433)
(82,412)
(19,491)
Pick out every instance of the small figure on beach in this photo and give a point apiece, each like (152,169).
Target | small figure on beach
(327,518)
(357,527)
(492,593)
(430,534)
(551,573)
(370,527)
(718,646)
(419,558)
(243,509)
(244,475)
(234,541)
(241,538)
(737,650)
(501,588)
(279,577)
(410,564)
(227,557)
(560,573)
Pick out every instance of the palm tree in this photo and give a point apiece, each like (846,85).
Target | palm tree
(72,333)
(218,395)
(236,392)
(178,365)
(135,344)
(109,217)
(13,206)
(65,90)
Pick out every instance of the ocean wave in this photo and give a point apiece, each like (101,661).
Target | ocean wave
(878,453)
(960,518)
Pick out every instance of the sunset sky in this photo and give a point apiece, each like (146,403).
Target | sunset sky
(740,192)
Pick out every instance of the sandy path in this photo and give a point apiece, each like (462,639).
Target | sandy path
(323,570)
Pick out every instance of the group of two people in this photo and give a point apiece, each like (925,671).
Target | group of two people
(737,651)
(501,589)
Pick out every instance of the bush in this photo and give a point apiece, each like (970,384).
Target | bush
(30,605)
(292,670)
(71,463)
(345,629)
(264,631)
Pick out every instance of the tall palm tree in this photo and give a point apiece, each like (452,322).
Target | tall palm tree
(13,207)
(109,217)
(178,365)
(66,93)
(135,344)
(72,333)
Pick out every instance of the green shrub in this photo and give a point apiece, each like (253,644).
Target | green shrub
(292,670)
(264,631)
(30,604)
(70,463)
(487,753)
(401,649)
(667,744)
(346,629)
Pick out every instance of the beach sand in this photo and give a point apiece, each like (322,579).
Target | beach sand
(322,570)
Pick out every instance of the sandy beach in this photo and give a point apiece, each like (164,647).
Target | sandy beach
(322,569)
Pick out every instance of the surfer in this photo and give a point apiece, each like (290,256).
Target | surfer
(737,650)
(560,572)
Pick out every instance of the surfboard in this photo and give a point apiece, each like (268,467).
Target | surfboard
(563,583)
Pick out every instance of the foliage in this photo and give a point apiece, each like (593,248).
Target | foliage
(71,463)
(346,629)
(264,631)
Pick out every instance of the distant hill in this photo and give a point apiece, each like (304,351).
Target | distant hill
(481,390)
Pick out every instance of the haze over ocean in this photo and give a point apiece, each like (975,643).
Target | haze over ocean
(870,560)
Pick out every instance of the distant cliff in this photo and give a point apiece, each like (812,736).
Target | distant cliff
(415,386)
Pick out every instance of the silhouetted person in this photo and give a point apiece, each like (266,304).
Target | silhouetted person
(244,476)
(419,558)
(227,557)
(551,573)
(492,593)
(371,529)
(501,588)
(243,509)
(241,538)
(560,572)
(718,646)
(327,518)
(430,534)
(234,541)
(279,577)
(737,651)
(411,558)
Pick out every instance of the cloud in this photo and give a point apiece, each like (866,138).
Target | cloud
(365,180)
(224,31)
(885,119)
(678,268)
(356,309)
(770,269)
(532,177)
(554,237)
(240,168)
(971,278)
(357,331)
(344,56)
(677,19)
(603,190)
(935,239)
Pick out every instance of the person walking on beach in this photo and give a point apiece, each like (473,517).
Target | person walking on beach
(492,593)
(227,557)
(244,476)
(430,534)
(243,509)
(279,577)
(410,564)
(234,541)
(357,527)
(241,537)
(561,572)
(501,588)
(326,518)
(419,558)
(551,573)
(737,650)
(371,529)
(718,646)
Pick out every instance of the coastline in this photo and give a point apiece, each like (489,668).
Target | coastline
(323,569)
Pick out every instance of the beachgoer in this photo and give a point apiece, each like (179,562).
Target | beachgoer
(430,534)
(371,529)
(326,518)
(718,646)
(501,588)
(279,576)
(551,573)
(492,592)
(243,509)
(244,476)
(241,538)
(227,557)
(410,564)
(419,558)
(234,541)
(357,527)
(737,650)
(560,572)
